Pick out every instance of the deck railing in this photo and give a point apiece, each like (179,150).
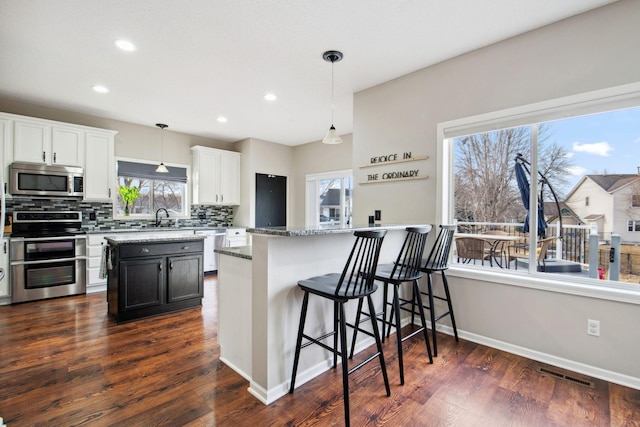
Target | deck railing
(573,247)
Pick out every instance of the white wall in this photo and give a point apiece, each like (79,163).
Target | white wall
(592,51)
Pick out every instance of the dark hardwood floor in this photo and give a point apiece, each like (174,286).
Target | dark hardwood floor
(64,363)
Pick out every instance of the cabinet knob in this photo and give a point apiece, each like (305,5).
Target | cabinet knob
(54,157)
(44,156)
(144,250)
(171,265)
(160,266)
(222,198)
(184,248)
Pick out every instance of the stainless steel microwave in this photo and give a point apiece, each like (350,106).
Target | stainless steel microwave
(30,179)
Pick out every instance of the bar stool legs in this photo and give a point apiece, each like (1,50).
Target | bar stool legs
(432,313)
(438,261)
(355,282)
(340,330)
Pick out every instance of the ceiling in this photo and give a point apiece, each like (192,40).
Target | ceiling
(197,60)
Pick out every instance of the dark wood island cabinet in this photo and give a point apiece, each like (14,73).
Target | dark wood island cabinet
(151,275)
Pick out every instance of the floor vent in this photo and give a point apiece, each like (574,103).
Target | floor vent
(562,376)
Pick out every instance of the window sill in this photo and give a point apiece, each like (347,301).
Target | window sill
(611,291)
(147,217)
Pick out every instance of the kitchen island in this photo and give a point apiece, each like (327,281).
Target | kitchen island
(260,302)
(153,273)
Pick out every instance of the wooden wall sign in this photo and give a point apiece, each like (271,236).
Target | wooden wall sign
(399,175)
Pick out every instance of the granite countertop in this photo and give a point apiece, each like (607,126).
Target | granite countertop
(238,252)
(125,238)
(155,229)
(314,231)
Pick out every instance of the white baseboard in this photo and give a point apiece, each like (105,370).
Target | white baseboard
(96,288)
(581,368)
(236,369)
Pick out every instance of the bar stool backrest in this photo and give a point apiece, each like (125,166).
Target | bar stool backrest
(439,256)
(359,271)
(409,261)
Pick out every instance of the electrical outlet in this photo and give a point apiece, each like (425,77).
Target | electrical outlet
(593,327)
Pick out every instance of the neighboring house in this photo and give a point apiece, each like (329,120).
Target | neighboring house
(611,201)
(330,205)
(569,217)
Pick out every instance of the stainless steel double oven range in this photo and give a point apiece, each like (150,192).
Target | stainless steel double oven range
(48,255)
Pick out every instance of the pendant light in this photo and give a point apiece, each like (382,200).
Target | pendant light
(161,167)
(332,137)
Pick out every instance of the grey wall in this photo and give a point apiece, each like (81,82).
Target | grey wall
(315,157)
(260,157)
(591,51)
(596,50)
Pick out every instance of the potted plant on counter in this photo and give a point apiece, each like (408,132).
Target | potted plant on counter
(129,196)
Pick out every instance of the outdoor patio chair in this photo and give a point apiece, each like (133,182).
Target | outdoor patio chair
(471,249)
(521,251)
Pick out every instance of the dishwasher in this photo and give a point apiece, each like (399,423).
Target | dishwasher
(213,239)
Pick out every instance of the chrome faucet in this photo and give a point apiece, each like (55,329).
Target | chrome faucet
(159,220)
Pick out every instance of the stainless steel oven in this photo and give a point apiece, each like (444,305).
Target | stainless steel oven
(47,255)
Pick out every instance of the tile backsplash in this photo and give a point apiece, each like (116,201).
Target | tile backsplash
(201,215)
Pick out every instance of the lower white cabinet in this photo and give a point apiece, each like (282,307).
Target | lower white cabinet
(5,284)
(95,243)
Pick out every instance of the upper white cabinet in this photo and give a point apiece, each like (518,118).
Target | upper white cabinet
(28,139)
(216,176)
(99,168)
(39,141)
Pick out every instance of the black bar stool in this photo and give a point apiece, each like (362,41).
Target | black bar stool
(406,268)
(355,282)
(438,260)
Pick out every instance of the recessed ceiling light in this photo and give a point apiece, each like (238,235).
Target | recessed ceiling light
(222,119)
(270,97)
(125,45)
(100,89)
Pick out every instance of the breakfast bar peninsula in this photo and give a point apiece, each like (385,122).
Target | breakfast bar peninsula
(260,302)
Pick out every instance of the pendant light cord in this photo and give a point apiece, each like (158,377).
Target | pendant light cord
(332,90)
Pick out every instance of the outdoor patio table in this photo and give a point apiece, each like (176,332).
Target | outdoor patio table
(496,242)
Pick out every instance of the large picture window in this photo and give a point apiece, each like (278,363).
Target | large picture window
(548,193)
(156,190)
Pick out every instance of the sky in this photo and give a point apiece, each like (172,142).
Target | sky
(600,143)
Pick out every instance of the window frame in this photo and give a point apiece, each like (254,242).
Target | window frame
(151,216)
(619,97)
(311,217)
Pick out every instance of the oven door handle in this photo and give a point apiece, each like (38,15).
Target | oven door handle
(41,239)
(49,261)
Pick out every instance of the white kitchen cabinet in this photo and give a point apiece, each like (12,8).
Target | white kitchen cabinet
(95,243)
(33,140)
(5,284)
(5,137)
(216,176)
(100,166)
(41,141)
